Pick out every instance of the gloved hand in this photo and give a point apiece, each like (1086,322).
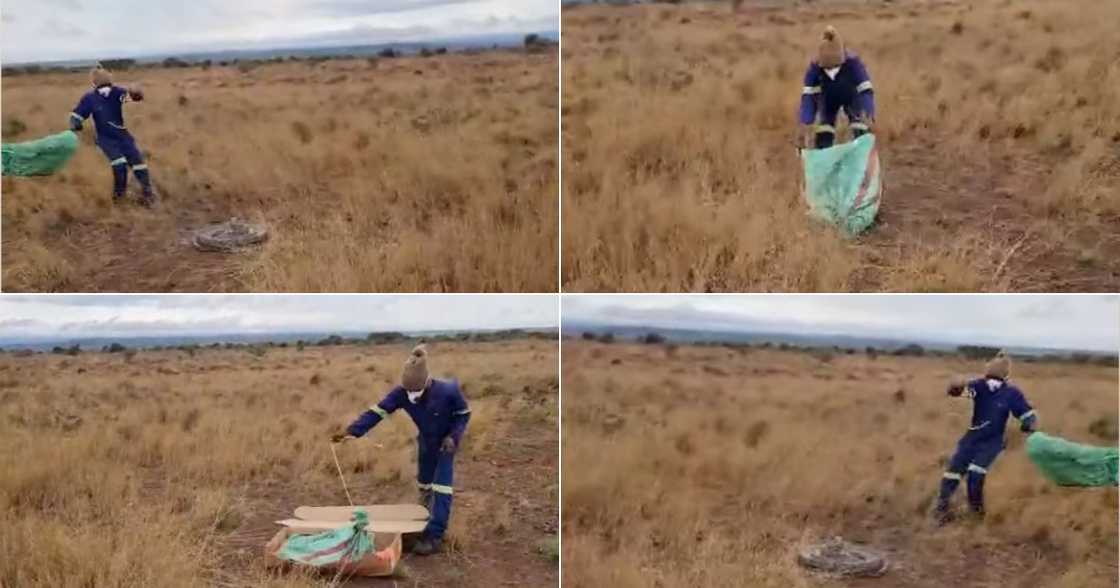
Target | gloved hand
(448,445)
(804,137)
(340,435)
(956,386)
(75,124)
(136,92)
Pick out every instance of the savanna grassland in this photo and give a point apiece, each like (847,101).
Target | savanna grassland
(169,468)
(998,126)
(709,466)
(374,175)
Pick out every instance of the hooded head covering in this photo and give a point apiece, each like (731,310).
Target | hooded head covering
(99,76)
(414,376)
(830,51)
(998,367)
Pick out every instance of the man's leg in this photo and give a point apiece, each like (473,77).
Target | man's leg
(425,472)
(140,169)
(978,472)
(826,128)
(442,489)
(119,164)
(951,479)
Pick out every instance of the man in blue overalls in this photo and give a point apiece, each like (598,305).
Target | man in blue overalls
(835,80)
(105,103)
(993,400)
(441,414)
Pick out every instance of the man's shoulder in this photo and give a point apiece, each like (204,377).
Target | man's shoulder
(446,384)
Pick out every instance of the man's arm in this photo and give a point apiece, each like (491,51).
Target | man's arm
(80,113)
(375,414)
(810,92)
(866,92)
(460,415)
(1021,409)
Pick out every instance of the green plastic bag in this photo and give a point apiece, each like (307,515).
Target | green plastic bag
(1072,464)
(41,157)
(843,184)
(333,548)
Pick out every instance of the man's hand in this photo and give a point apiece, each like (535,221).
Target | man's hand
(448,445)
(136,92)
(804,138)
(340,436)
(956,386)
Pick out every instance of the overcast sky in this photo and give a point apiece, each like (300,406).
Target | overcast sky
(1067,322)
(43,30)
(123,316)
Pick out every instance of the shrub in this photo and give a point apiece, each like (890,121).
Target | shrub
(13,127)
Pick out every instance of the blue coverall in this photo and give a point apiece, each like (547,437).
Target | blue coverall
(106,105)
(823,96)
(440,412)
(993,401)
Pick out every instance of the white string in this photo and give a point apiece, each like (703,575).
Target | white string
(340,476)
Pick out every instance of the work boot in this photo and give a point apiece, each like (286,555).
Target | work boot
(942,515)
(424,499)
(148,200)
(426,546)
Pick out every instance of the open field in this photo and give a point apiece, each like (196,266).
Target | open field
(168,468)
(708,466)
(374,175)
(998,122)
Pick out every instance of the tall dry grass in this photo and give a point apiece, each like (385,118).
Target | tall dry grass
(709,466)
(408,174)
(999,123)
(168,468)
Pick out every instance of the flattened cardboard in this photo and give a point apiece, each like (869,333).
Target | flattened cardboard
(392,527)
(376,512)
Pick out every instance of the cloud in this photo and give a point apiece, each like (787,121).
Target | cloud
(366,8)
(7,18)
(55,27)
(41,317)
(51,31)
(69,4)
(1072,322)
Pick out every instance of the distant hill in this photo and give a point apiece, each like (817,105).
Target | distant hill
(462,43)
(147,342)
(844,341)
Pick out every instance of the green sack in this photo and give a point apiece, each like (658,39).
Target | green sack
(843,184)
(330,549)
(41,157)
(1072,464)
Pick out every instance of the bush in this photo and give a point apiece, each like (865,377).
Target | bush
(174,62)
(387,53)
(118,64)
(115,348)
(652,339)
(606,338)
(912,350)
(588,336)
(13,127)
(977,351)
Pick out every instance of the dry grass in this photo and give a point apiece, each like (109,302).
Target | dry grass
(707,466)
(409,174)
(169,468)
(999,120)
